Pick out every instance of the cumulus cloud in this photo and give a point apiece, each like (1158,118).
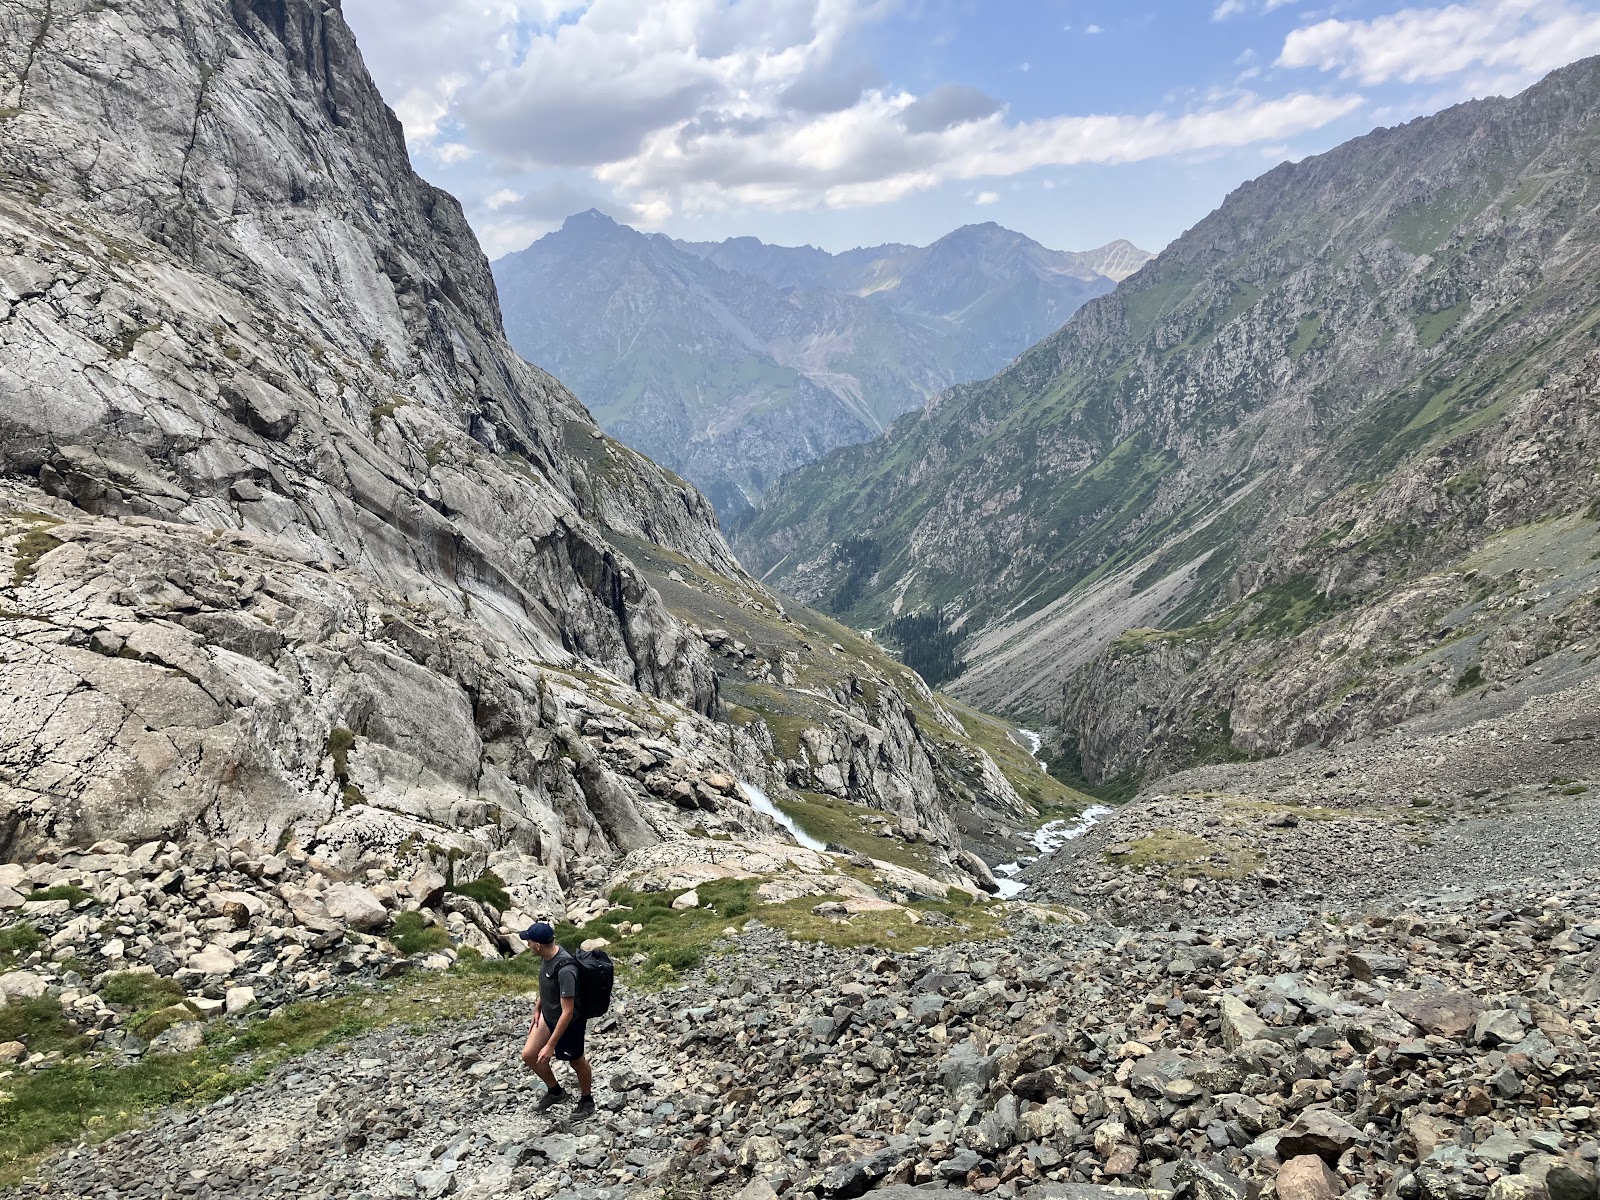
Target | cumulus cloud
(946,106)
(1506,44)
(702,105)
(987,198)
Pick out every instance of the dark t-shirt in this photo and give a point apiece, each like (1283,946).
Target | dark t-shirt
(558,977)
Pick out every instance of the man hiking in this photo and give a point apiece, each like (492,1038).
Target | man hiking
(557,1030)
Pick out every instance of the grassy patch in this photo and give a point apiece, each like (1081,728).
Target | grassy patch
(340,742)
(829,819)
(32,546)
(70,892)
(487,888)
(411,935)
(140,990)
(17,942)
(1054,799)
(1470,678)
(41,1026)
(84,1098)
(1183,854)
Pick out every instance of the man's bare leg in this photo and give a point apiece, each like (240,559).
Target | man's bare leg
(537,1037)
(585,1075)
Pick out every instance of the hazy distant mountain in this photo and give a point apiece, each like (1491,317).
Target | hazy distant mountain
(735,362)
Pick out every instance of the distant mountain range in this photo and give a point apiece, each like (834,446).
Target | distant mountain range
(735,362)
(1325,464)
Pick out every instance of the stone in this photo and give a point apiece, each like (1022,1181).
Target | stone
(213,960)
(21,985)
(1498,1027)
(435,1182)
(1320,1132)
(239,999)
(11,1052)
(1240,1024)
(355,907)
(1206,1181)
(689,899)
(1449,1014)
(182,1038)
(1571,1179)
(1307,1177)
(852,1179)
(1370,967)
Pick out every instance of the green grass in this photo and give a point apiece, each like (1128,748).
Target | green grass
(17,942)
(85,1098)
(487,888)
(32,546)
(41,1026)
(1183,854)
(411,935)
(70,892)
(1470,678)
(1053,799)
(340,742)
(140,990)
(829,819)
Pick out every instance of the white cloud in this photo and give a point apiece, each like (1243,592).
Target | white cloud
(703,105)
(1234,8)
(866,156)
(1505,43)
(1094,29)
(987,198)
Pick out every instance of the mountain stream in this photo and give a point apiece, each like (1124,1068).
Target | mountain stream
(1048,838)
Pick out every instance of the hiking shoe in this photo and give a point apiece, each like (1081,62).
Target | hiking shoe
(583,1108)
(551,1098)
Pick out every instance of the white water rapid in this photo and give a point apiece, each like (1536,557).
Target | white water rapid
(758,800)
(1048,838)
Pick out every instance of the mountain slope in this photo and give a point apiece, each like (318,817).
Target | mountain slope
(1303,413)
(735,362)
(295,548)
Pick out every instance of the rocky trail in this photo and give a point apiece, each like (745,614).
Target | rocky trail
(1437,1044)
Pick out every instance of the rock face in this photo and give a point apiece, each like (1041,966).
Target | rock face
(1324,464)
(735,362)
(293,547)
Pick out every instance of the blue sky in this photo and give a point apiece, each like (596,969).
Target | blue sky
(854,122)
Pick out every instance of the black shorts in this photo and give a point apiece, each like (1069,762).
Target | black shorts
(570,1047)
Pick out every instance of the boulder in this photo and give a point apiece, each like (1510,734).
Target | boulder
(1447,1013)
(182,1038)
(355,907)
(213,960)
(1321,1132)
(238,999)
(1369,967)
(20,985)
(1240,1023)
(1307,1177)
(689,899)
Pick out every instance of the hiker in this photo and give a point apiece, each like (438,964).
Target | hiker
(557,1031)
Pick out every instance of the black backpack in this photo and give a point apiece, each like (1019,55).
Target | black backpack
(595,975)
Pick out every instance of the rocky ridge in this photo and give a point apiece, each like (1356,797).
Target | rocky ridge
(295,549)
